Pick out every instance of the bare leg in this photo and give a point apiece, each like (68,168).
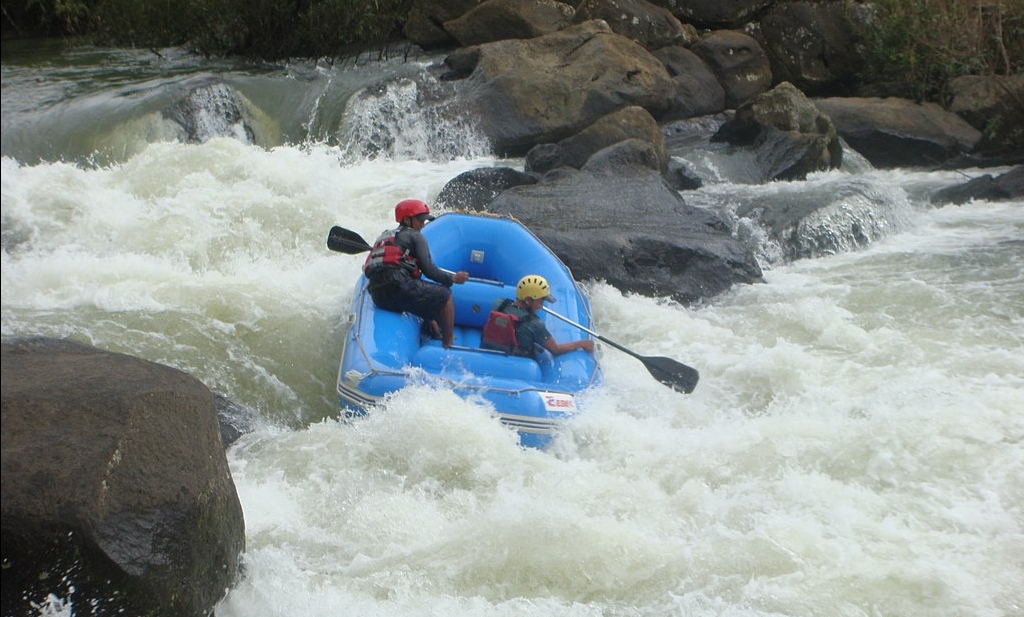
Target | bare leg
(448,323)
(431,329)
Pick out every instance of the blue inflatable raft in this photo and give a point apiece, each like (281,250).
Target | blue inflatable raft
(384,350)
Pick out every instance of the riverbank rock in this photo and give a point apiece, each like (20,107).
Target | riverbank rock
(627,123)
(475,189)
(738,62)
(648,25)
(525,85)
(521,93)
(116,491)
(497,20)
(813,45)
(697,91)
(719,13)
(790,136)
(993,104)
(895,132)
(1003,187)
(425,24)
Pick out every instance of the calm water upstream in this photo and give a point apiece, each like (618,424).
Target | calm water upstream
(855,447)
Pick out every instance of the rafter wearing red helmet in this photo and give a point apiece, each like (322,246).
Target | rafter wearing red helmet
(394,267)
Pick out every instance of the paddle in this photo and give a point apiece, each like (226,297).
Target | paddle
(343,240)
(675,375)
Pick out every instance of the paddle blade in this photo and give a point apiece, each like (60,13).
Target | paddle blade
(675,375)
(343,240)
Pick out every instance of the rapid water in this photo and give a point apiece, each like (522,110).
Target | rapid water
(855,447)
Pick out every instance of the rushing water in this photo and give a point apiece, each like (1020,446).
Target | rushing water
(855,446)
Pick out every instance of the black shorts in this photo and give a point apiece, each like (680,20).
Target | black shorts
(416,296)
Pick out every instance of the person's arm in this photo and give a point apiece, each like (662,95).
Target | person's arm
(558,349)
(548,342)
(422,252)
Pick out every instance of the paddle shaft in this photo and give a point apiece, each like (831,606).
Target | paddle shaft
(673,374)
(594,334)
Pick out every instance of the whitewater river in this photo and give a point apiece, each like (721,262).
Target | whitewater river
(855,447)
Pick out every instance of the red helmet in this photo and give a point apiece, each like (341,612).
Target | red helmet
(411,208)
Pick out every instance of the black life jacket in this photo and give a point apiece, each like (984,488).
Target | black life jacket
(499,332)
(386,252)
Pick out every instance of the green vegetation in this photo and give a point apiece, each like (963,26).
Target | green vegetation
(922,44)
(268,29)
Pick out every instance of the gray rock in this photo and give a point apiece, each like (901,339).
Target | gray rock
(697,90)
(648,25)
(812,45)
(993,104)
(739,63)
(235,419)
(790,135)
(627,123)
(895,132)
(616,220)
(476,189)
(681,176)
(694,132)
(521,93)
(496,20)
(132,509)
(424,26)
(717,13)
(1004,187)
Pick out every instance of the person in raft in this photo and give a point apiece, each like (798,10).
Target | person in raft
(513,325)
(393,269)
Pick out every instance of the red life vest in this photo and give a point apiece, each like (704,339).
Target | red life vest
(387,253)
(499,332)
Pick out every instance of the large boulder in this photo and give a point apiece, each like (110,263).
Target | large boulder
(130,509)
(425,24)
(496,20)
(717,13)
(476,189)
(627,123)
(1003,187)
(993,104)
(894,132)
(790,136)
(813,45)
(616,220)
(697,90)
(521,93)
(648,25)
(738,62)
